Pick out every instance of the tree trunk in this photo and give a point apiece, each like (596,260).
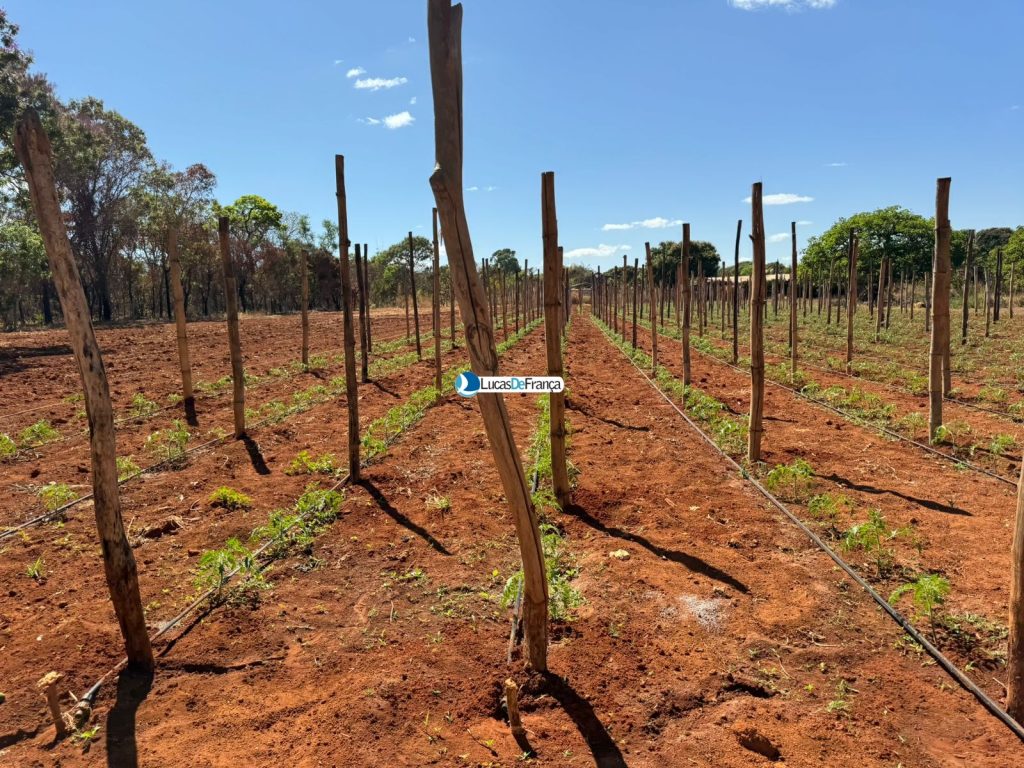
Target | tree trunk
(33,150)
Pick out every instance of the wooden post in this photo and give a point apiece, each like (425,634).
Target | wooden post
(792,303)
(437,307)
(684,255)
(967,272)
(997,300)
(408,326)
(757,306)
(654,317)
(366,285)
(736,296)
(636,275)
(180,322)
(363,356)
(351,387)
(33,150)
(940,305)
(988,301)
(1015,645)
(553,336)
(304,277)
(445,34)
(234,338)
(504,307)
(851,297)
(415,304)
(451,298)
(880,298)
(625,296)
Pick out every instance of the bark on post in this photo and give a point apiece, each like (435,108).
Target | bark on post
(757,307)
(33,150)
(654,317)
(940,305)
(364,363)
(685,255)
(366,283)
(437,307)
(967,272)
(234,338)
(445,36)
(851,297)
(304,278)
(997,299)
(636,274)
(351,386)
(625,296)
(180,322)
(415,305)
(792,302)
(736,296)
(553,336)
(1015,647)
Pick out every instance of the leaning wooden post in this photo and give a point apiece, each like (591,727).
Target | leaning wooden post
(348,331)
(33,149)
(445,34)
(792,302)
(967,272)
(415,304)
(684,255)
(940,305)
(851,297)
(757,306)
(736,296)
(437,308)
(364,363)
(180,322)
(654,316)
(1015,647)
(304,278)
(234,337)
(553,299)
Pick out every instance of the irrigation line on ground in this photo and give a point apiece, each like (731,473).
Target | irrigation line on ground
(948,666)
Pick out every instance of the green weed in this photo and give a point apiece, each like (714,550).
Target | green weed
(229,498)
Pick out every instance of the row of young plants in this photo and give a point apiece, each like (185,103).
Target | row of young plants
(873,539)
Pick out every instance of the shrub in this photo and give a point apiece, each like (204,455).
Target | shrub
(229,498)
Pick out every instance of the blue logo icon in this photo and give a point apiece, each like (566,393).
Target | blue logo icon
(467,384)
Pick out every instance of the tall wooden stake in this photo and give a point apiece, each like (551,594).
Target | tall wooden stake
(736,296)
(415,305)
(636,275)
(366,284)
(792,303)
(685,291)
(552,334)
(33,150)
(437,307)
(351,386)
(445,34)
(940,305)
(234,338)
(180,322)
(851,297)
(757,307)
(304,277)
(654,316)
(967,272)
(1015,647)
(364,362)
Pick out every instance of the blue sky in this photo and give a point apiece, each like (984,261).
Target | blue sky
(650,112)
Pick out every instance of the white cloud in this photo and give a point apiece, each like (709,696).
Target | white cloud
(354,72)
(804,223)
(472,189)
(781,237)
(338,61)
(376,83)
(788,5)
(412,39)
(489,189)
(836,165)
(412,101)
(596,252)
(782,198)
(658,222)
(401,120)
(369,120)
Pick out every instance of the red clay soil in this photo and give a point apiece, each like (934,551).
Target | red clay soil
(958,520)
(722,632)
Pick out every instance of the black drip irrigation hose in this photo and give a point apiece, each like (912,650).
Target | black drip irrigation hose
(948,666)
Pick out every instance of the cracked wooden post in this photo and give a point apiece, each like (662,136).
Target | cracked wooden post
(654,316)
(736,296)
(684,255)
(940,306)
(304,277)
(515,721)
(792,303)
(348,331)
(851,297)
(364,362)
(234,337)
(553,318)
(445,35)
(437,307)
(180,321)
(33,149)
(757,306)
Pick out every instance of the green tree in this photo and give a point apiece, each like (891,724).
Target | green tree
(252,220)
(22,267)
(504,260)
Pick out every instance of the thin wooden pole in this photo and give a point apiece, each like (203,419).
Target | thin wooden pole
(408,324)
(792,303)
(684,255)
(364,362)
(437,306)
(654,317)
(988,301)
(967,273)
(445,35)
(351,386)
(636,275)
(304,278)
(997,300)
(553,337)
(366,284)
(851,297)
(757,304)
(625,296)
(415,304)
(1015,640)
(940,306)
(180,321)
(234,338)
(33,150)
(736,295)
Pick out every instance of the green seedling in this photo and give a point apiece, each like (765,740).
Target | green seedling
(563,597)
(56,495)
(169,444)
(307,464)
(229,498)
(791,481)
(37,570)
(126,467)
(40,433)
(871,537)
(142,407)
(929,591)
(8,448)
